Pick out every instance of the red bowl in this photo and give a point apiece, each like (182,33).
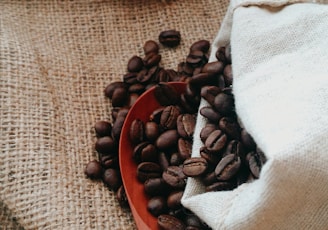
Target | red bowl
(142,109)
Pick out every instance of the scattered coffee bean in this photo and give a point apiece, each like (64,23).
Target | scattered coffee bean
(93,169)
(170,38)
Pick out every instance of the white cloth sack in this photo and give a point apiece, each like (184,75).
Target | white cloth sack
(280,68)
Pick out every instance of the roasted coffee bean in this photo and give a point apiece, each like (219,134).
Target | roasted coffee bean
(185,69)
(213,67)
(176,159)
(255,160)
(167,139)
(156,115)
(105,145)
(224,103)
(155,187)
(174,200)
(118,124)
(194,166)
(202,45)
(157,206)
(211,158)
(193,222)
(221,54)
(120,97)
(202,79)
(206,131)
(174,177)
(170,38)
(163,160)
(230,127)
(135,64)
(136,131)
(247,140)
(145,151)
(169,117)
(195,58)
(109,90)
(186,125)
(235,147)
(209,178)
(152,59)
(227,74)
(228,53)
(150,46)
(93,170)
(185,148)
(103,128)
(220,186)
(212,115)
(166,94)
(227,167)
(130,78)
(151,130)
(109,161)
(168,222)
(163,76)
(216,141)
(121,197)
(137,88)
(147,170)
(112,178)
(173,75)
(132,99)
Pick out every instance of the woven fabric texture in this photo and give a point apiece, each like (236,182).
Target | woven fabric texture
(56,57)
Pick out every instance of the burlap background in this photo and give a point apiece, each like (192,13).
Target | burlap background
(56,57)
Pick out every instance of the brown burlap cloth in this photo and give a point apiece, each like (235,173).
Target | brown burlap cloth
(56,57)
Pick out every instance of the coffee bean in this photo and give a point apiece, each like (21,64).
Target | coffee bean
(186,125)
(163,160)
(168,222)
(121,197)
(256,160)
(209,93)
(220,186)
(167,139)
(212,115)
(105,145)
(216,141)
(150,46)
(103,128)
(174,177)
(155,187)
(230,126)
(135,64)
(174,200)
(147,170)
(136,131)
(202,45)
(112,178)
(206,131)
(170,38)
(157,206)
(166,94)
(185,148)
(109,90)
(227,167)
(120,97)
(194,166)
(227,74)
(151,130)
(118,124)
(212,158)
(224,103)
(152,59)
(145,151)
(176,159)
(169,117)
(93,169)
(215,67)
(109,161)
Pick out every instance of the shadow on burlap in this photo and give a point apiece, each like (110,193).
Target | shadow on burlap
(55,60)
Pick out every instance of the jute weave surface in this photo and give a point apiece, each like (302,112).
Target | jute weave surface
(56,57)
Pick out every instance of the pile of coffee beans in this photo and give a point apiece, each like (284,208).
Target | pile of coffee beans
(162,145)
